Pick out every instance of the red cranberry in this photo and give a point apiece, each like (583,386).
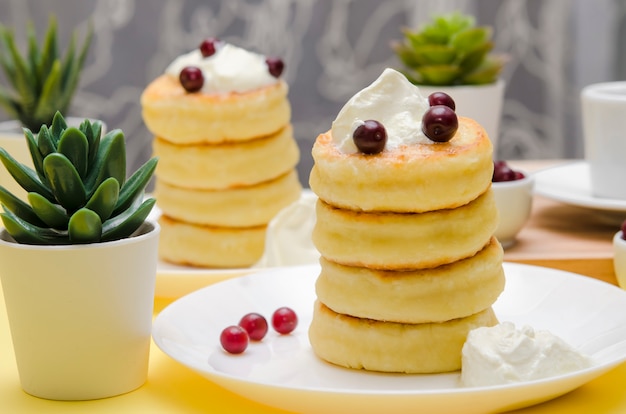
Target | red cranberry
(284,320)
(440,123)
(370,137)
(209,46)
(623,229)
(275,66)
(255,325)
(503,172)
(441,98)
(234,339)
(191,78)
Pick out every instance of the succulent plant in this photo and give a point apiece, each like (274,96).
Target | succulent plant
(449,50)
(42,81)
(77,192)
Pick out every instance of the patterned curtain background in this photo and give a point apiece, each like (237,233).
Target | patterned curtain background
(332,48)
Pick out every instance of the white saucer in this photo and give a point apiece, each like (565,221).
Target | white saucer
(571,184)
(283,372)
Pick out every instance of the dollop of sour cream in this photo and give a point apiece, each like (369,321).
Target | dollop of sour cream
(229,69)
(503,354)
(391,100)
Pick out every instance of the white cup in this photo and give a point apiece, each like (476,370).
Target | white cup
(604,131)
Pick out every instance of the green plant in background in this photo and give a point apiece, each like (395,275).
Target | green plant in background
(42,81)
(77,192)
(449,50)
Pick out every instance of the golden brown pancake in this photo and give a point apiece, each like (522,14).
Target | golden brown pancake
(398,241)
(223,166)
(207,246)
(392,347)
(249,206)
(414,178)
(180,117)
(439,294)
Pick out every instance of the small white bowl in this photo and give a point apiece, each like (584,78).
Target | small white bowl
(619,259)
(514,202)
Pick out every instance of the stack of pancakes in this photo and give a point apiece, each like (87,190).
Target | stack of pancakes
(409,263)
(226,167)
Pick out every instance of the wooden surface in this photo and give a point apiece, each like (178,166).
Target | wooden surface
(565,237)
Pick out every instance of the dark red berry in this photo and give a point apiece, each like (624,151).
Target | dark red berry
(440,123)
(234,339)
(370,137)
(209,46)
(441,98)
(623,229)
(255,325)
(284,320)
(191,78)
(275,66)
(503,172)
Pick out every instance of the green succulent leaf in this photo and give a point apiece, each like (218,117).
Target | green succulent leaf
(405,54)
(6,61)
(27,233)
(439,74)
(485,73)
(51,214)
(134,187)
(110,159)
(26,177)
(74,145)
(84,227)
(45,141)
(65,182)
(19,207)
(470,39)
(92,132)
(57,127)
(23,77)
(46,103)
(126,223)
(49,50)
(105,198)
(475,58)
(434,55)
(35,155)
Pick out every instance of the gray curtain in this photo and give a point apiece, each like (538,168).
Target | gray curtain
(332,48)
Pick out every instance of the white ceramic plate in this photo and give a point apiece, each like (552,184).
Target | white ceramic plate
(283,372)
(571,184)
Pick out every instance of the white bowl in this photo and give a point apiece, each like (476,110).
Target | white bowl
(514,203)
(619,259)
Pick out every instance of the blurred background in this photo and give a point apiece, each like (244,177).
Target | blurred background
(333,48)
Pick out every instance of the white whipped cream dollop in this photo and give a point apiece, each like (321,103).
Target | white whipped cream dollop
(503,354)
(391,100)
(288,237)
(229,69)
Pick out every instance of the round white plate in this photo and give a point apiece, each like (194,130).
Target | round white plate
(283,372)
(571,184)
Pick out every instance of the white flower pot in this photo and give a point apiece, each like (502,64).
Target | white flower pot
(483,103)
(81,315)
(13,141)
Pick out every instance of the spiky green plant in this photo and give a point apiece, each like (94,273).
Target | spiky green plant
(449,50)
(42,81)
(78,192)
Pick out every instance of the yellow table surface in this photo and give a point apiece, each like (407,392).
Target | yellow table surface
(172,387)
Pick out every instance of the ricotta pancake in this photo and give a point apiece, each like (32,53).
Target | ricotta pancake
(249,206)
(374,345)
(400,241)
(184,118)
(447,292)
(208,246)
(423,176)
(224,166)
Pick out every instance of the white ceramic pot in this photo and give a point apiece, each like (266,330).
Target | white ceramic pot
(81,315)
(13,141)
(480,102)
